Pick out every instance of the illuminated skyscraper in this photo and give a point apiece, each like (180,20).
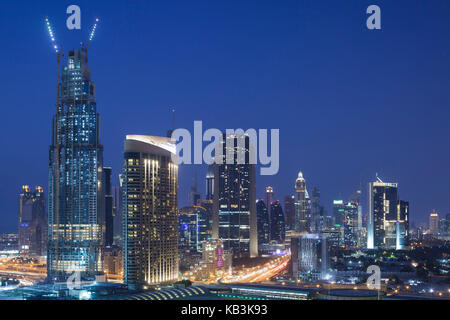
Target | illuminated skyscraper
(234,216)
(75,220)
(150,211)
(210,183)
(301,205)
(269,200)
(193,228)
(108,206)
(277,223)
(262,217)
(309,257)
(289,211)
(346,217)
(32,229)
(386,226)
(434,223)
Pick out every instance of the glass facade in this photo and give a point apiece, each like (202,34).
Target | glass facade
(75,176)
(150,205)
(235,198)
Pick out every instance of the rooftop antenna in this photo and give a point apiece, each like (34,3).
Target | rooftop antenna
(169,133)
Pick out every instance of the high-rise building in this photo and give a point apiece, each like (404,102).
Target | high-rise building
(386,227)
(32,231)
(402,230)
(346,216)
(302,212)
(150,211)
(108,207)
(75,200)
(277,223)
(269,199)
(193,228)
(117,215)
(434,223)
(194,195)
(262,217)
(317,212)
(210,183)
(309,257)
(234,216)
(289,211)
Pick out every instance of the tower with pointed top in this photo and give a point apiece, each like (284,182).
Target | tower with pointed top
(301,204)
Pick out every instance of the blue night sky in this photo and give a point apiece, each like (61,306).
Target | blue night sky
(349,102)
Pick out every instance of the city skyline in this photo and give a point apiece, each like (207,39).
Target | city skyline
(296,86)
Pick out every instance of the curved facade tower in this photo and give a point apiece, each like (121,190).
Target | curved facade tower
(75,176)
(150,206)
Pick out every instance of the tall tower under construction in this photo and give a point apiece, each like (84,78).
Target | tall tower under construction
(75,175)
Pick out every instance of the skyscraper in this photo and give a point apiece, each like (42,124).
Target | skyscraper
(309,257)
(108,207)
(194,195)
(434,223)
(32,231)
(269,200)
(262,217)
(75,220)
(277,223)
(317,212)
(402,231)
(385,223)
(210,183)
(301,205)
(193,228)
(150,211)
(289,211)
(346,217)
(234,216)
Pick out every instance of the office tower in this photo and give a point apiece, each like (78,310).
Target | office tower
(269,199)
(210,183)
(262,217)
(207,205)
(301,205)
(75,220)
(386,226)
(402,230)
(289,211)
(277,223)
(113,260)
(434,223)
(193,228)
(32,230)
(149,189)
(317,212)
(309,257)
(346,215)
(25,219)
(108,207)
(117,215)
(194,195)
(234,220)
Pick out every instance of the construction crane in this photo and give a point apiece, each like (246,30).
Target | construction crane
(84,47)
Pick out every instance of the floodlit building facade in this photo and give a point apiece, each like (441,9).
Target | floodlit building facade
(75,197)
(150,183)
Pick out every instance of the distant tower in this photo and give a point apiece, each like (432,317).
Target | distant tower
(25,220)
(262,217)
(434,223)
(194,195)
(269,199)
(301,204)
(108,207)
(277,223)
(210,183)
(289,211)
